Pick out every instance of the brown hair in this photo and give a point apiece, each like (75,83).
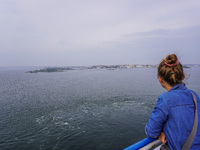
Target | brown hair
(171,70)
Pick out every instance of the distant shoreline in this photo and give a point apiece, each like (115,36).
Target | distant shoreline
(109,67)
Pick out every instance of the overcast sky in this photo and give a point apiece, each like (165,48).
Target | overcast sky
(89,32)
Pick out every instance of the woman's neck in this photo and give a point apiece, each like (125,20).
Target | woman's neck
(168,87)
(164,84)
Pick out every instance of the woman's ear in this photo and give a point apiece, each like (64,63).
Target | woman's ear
(162,82)
(183,76)
(160,79)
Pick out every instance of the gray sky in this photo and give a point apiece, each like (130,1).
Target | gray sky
(89,32)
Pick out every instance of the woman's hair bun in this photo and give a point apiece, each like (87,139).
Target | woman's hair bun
(171,70)
(171,59)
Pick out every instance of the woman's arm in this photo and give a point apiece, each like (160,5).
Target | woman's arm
(159,116)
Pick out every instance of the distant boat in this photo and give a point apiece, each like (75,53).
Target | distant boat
(146,144)
(111,69)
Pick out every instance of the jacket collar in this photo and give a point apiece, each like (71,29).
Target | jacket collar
(179,86)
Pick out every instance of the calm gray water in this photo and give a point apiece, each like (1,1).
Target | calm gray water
(78,109)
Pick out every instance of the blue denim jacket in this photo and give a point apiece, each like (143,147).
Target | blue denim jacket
(174,114)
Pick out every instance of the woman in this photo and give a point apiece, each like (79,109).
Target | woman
(173,117)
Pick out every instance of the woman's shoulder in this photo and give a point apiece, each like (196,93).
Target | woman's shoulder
(178,97)
(164,99)
(166,95)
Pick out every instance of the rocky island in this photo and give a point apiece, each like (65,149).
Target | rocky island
(50,69)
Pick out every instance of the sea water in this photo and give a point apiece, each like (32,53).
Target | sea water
(78,109)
